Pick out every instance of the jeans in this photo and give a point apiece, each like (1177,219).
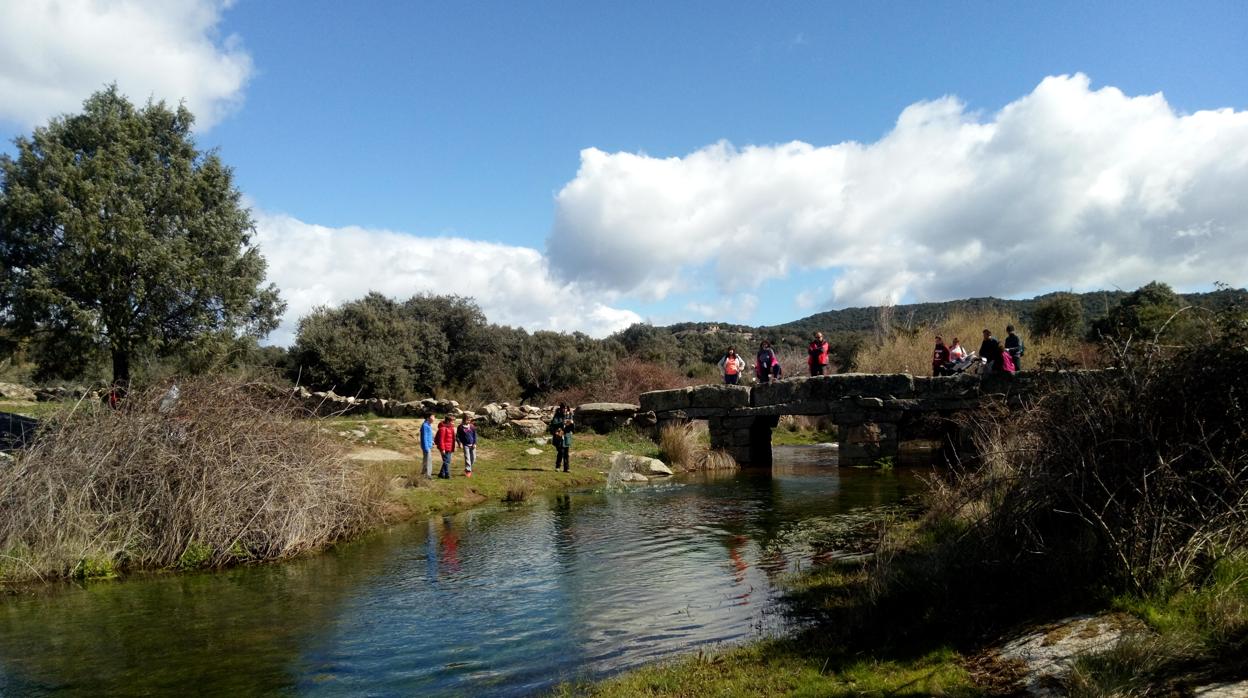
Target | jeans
(428,463)
(446,464)
(561,456)
(470,457)
(730,378)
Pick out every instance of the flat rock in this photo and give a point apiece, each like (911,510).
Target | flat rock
(376,454)
(606,408)
(1046,653)
(13,391)
(1237,689)
(533,451)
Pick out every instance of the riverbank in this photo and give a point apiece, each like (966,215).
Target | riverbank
(220,478)
(507,469)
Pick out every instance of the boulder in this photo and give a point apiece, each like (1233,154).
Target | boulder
(515,412)
(605,417)
(527,428)
(495,414)
(13,391)
(634,477)
(541,441)
(533,451)
(641,465)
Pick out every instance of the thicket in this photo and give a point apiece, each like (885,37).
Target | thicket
(223,474)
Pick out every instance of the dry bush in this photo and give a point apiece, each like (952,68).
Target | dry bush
(716,459)
(1136,476)
(518,490)
(679,445)
(629,377)
(909,350)
(223,475)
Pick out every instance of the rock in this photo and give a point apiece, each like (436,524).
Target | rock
(659,468)
(495,414)
(1046,653)
(359,433)
(13,391)
(533,451)
(723,396)
(515,412)
(540,441)
(527,428)
(665,400)
(376,454)
(634,477)
(604,417)
(1237,689)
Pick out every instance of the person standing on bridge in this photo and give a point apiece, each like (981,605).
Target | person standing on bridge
(1014,345)
(940,358)
(990,352)
(731,366)
(817,355)
(766,363)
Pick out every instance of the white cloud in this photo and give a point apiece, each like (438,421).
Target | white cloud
(1067,187)
(54,53)
(315,265)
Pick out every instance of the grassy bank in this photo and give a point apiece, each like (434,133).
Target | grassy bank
(229,476)
(503,471)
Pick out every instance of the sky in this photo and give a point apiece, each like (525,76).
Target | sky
(587,165)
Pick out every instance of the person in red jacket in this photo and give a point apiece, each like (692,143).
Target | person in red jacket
(445,441)
(817,355)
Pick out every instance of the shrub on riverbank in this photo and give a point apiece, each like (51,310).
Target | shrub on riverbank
(221,475)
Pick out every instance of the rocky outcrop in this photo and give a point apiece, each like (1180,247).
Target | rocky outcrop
(13,391)
(1045,654)
(641,465)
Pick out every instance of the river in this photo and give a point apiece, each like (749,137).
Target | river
(499,600)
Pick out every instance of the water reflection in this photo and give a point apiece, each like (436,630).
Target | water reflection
(493,601)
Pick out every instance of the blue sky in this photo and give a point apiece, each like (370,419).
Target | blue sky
(412,147)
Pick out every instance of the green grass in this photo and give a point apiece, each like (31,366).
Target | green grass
(790,668)
(1197,634)
(39,410)
(502,466)
(802,437)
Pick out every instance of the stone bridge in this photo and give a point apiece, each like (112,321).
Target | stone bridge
(873,412)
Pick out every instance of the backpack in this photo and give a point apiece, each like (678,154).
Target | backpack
(1007,362)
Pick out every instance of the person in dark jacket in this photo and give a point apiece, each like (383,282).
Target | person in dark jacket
(817,355)
(990,352)
(940,358)
(765,363)
(466,435)
(1014,345)
(563,446)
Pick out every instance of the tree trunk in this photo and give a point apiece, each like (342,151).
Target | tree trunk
(121,367)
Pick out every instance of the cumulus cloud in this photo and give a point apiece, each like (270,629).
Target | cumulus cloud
(1067,187)
(54,53)
(315,265)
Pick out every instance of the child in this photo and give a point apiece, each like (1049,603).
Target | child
(466,435)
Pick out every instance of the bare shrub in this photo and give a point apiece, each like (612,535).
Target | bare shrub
(679,445)
(717,459)
(1146,464)
(518,490)
(221,475)
(628,378)
(909,349)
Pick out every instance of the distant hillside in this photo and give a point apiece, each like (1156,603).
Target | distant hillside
(1096,304)
(857,320)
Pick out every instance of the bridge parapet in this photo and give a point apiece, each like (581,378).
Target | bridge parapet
(868,409)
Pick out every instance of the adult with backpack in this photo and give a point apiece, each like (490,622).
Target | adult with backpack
(1014,346)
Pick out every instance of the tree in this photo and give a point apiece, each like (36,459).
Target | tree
(1059,315)
(1152,310)
(469,341)
(119,237)
(370,347)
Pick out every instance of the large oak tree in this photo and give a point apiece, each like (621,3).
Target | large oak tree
(120,238)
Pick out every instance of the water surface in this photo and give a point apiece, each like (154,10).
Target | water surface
(494,601)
